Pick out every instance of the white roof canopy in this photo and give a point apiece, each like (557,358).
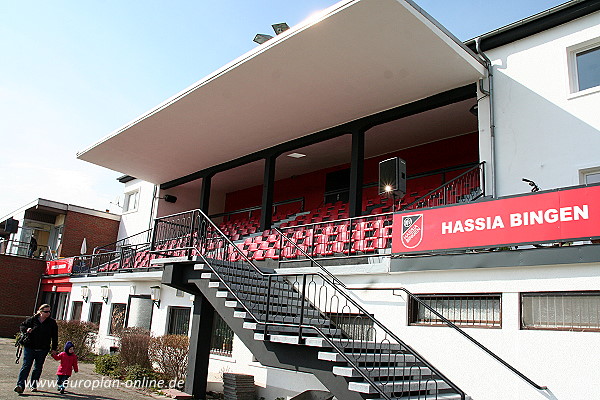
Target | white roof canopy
(359,58)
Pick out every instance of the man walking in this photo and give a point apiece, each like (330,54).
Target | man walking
(42,335)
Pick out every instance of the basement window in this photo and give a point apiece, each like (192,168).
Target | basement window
(464,310)
(117,318)
(178,321)
(570,311)
(221,342)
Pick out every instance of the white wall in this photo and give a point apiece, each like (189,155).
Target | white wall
(543,132)
(567,362)
(138,220)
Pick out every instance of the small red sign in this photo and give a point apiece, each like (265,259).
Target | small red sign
(62,266)
(569,214)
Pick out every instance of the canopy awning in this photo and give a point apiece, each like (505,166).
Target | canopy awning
(359,58)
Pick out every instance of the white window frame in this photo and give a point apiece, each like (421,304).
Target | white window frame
(583,173)
(557,312)
(126,200)
(572,53)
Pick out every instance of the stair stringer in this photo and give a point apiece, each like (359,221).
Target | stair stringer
(278,355)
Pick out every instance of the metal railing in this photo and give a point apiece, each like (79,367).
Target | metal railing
(300,303)
(122,254)
(22,249)
(466,187)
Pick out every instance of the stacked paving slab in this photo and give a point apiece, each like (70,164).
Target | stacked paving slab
(238,387)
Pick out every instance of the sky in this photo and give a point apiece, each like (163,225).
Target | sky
(72,72)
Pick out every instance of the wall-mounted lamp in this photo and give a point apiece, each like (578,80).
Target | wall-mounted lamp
(155,295)
(105,292)
(85,293)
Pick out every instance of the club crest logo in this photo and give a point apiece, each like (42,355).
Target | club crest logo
(412,230)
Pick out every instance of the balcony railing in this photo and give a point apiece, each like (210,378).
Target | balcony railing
(466,187)
(20,248)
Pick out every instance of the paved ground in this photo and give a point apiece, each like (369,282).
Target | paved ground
(86,379)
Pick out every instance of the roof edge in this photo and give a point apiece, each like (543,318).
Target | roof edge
(534,24)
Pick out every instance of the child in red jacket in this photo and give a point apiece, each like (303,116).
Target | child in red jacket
(68,363)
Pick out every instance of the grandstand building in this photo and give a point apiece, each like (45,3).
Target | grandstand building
(256,216)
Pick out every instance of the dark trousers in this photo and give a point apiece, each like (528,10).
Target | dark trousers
(31,357)
(61,381)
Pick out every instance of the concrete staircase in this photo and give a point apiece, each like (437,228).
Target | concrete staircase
(350,367)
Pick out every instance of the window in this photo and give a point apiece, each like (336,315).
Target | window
(117,318)
(589,176)
(584,66)
(477,310)
(95,312)
(76,310)
(179,320)
(131,201)
(574,311)
(222,338)
(588,68)
(140,312)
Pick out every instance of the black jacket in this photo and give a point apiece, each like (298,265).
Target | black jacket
(42,333)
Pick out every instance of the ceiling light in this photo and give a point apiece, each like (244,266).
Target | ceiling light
(296,155)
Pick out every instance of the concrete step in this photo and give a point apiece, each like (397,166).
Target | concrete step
(350,372)
(288,339)
(255,290)
(438,396)
(400,386)
(347,344)
(398,359)
(290,329)
(287,319)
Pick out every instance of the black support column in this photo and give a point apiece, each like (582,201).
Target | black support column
(199,353)
(205,193)
(357,161)
(266,215)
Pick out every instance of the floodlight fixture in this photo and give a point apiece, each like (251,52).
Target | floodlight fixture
(260,38)
(280,28)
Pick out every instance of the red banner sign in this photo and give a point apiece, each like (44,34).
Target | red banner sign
(62,266)
(569,214)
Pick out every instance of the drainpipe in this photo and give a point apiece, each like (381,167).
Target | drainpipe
(490,94)
(37,296)
(153,206)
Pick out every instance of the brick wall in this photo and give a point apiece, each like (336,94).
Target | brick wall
(20,279)
(96,230)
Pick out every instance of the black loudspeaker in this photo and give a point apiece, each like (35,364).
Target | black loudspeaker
(392,176)
(11,225)
(170,198)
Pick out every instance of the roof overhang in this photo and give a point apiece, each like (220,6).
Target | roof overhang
(357,59)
